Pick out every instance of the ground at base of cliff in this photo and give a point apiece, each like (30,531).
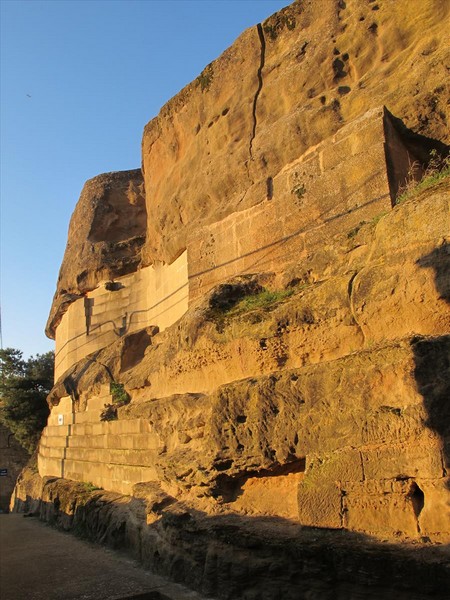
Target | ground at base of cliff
(234,557)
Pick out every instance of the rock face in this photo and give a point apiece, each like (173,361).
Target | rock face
(303,74)
(263,346)
(106,233)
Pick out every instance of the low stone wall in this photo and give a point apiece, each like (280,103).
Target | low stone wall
(114,455)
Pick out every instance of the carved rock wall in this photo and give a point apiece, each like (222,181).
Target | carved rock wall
(326,408)
(302,74)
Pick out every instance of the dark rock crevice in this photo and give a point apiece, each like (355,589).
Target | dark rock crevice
(260,85)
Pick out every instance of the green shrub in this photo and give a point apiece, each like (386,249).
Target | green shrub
(263,300)
(205,78)
(119,394)
(24,386)
(119,398)
(90,487)
(109,413)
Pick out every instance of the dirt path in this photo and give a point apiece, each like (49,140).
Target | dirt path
(40,563)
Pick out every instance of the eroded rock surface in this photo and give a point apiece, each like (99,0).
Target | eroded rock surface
(284,396)
(303,74)
(106,234)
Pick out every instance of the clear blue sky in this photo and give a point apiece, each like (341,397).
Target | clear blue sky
(79,80)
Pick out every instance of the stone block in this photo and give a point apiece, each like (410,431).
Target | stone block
(382,507)
(49,467)
(434,518)
(417,458)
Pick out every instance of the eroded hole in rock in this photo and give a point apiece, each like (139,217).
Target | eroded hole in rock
(282,359)
(269,184)
(283,325)
(225,296)
(230,487)
(241,418)
(113,286)
(135,346)
(417,499)
(338,69)
(223,465)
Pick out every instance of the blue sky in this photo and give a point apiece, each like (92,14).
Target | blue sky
(79,80)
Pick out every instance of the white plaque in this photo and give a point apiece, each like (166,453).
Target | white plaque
(60,419)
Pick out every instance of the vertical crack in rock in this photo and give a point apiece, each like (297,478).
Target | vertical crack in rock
(260,84)
(362,466)
(350,288)
(444,470)
(343,509)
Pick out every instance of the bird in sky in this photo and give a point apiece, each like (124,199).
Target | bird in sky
(28,96)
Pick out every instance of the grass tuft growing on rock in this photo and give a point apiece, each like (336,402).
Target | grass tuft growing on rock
(438,169)
(89,487)
(234,301)
(264,300)
(119,394)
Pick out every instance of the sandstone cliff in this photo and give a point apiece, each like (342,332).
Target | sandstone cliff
(106,234)
(283,87)
(255,352)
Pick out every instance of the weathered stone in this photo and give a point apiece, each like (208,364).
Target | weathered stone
(106,233)
(282,335)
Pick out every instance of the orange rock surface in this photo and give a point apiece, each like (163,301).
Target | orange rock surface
(302,380)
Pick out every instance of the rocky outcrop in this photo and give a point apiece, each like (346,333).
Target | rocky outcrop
(238,556)
(303,74)
(264,373)
(106,234)
(324,393)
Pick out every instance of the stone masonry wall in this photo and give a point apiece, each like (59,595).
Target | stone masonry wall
(152,296)
(343,178)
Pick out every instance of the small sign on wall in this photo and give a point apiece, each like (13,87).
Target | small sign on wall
(60,419)
(3,472)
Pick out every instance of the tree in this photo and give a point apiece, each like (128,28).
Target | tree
(24,386)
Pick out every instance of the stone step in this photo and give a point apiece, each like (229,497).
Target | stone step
(132,441)
(98,402)
(50,467)
(53,441)
(88,441)
(56,431)
(115,485)
(119,426)
(107,456)
(52,451)
(87,416)
(104,475)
